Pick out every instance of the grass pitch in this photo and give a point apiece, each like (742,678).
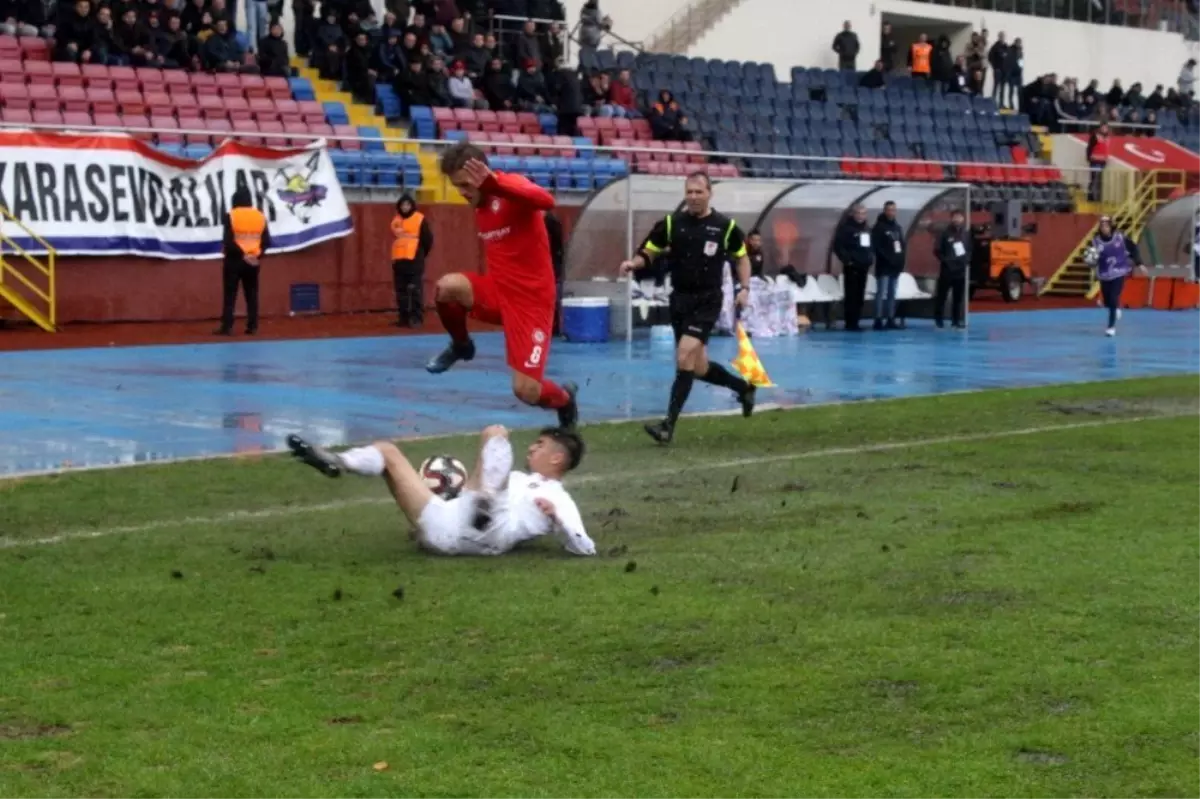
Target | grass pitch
(989,594)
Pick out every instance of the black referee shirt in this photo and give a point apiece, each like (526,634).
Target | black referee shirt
(700,248)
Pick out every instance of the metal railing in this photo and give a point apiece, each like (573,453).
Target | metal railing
(15,286)
(1118,183)
(501,31)
(685,27)
(1165,15)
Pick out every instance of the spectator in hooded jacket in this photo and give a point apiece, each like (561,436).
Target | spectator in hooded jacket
(887,241)
(664,117)
(567,96)
(476,58)
(75,35)
(874,78)
(360,77)
(273,53)
(413,86)
(852,246)
(531,89)
(497,87)
(329,43)
(388,58)
(221,51)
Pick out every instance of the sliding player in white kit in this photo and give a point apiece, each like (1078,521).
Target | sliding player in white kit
(498,507)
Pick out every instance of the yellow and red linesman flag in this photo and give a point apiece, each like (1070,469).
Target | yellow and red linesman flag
(747,363)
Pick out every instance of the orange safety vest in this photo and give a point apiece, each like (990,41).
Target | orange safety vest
(248,226)
(920,58)
(408,236)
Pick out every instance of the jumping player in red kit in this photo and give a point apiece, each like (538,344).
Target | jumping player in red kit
(518,291)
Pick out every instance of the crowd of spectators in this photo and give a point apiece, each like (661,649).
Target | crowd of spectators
(1066,107)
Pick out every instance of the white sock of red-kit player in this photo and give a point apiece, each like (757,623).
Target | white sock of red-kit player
(363,460)
(497,457)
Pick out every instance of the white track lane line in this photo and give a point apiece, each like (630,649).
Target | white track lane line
(285,511)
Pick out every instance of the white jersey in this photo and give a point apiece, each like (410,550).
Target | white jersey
(516,516)
(448,526)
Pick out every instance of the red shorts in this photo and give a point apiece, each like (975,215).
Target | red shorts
(527,323)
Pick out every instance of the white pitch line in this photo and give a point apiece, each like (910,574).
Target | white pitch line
(284,511)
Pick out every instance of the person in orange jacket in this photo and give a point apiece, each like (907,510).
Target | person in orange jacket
(412,245)
(246,241)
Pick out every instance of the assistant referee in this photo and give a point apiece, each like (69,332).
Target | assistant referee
(701,241)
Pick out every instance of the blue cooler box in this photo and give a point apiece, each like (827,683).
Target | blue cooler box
(585,318)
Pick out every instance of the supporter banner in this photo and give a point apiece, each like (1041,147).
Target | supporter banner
(1149,154)
(109,194)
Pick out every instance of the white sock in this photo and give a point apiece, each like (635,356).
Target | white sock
(363,460)
(497,457)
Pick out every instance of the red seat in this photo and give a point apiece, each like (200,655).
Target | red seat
(287,106)
(529,123)
(278,88)
(220,128)
(211,106)
(150,78)
(95,76)
(348,137)
(523,144)
(185,104)
(124,79)
(254,86)
(695,152)
(14,95)
(131,102)
(17,116)
(229,85)
(38,69)
(623,127)
(934,172)
(276,140)
(166,129)
(67,74)
(321,129)
(568,147)
(641,129)
(539,142)
(203,80)
(103,101)
(140,123)
(312,112)
(176,78)
(190,120)
(159,102)
(237,108)
(43,97)
(488,121)
(74,99)
(503,142)
(35,49)
(108,120)
(9,44)
(53,118)
(587,127)
(12,71)
(245,131)
(261,108)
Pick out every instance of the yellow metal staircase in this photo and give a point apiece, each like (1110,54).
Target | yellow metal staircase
(1074,278)
(26,281)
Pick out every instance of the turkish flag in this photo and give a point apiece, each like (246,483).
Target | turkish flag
(1146,155)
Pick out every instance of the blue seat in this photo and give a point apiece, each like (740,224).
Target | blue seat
(335,113)
(301,89)
(372,139)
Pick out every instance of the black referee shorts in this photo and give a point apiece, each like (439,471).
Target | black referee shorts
(695,314)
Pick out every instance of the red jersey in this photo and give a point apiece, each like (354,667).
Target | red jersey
(511,224)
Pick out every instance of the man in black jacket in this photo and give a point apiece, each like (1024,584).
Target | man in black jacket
(846,45)
(852,246)
(954,254)
(887,240)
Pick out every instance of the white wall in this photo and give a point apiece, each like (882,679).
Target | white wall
(633,20)
(1072,49)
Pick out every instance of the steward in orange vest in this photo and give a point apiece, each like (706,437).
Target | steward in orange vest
(920,58)
(246,240)
(413,242)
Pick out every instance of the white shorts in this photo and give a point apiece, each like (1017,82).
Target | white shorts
(446,528)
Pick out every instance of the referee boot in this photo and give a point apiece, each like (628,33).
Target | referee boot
(319,458)
(568,415)
(464,351)
(747,399)
(662,432)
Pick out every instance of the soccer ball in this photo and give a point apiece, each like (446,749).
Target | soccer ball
(444,475)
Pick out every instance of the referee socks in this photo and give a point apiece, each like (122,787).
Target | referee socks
(680,390)
(718,375)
